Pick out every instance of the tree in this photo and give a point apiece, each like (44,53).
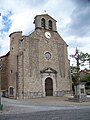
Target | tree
(86,78)
(80,61)
(81,58)
(74,78)
(84,57)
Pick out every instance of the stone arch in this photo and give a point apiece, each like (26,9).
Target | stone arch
(43,22)
(11,91)
(50,24)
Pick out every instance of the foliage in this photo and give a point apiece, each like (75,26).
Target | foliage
(86,78)
(84,57)
(74,78)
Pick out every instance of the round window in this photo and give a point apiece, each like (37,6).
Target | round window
(47,55)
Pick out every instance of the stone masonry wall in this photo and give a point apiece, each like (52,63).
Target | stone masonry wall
(32,60)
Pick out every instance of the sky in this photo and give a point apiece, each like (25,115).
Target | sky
(73,21)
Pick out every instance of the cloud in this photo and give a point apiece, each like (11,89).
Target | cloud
(80,19)
(22,16)
(18,6)
(4,43)
(73,20)
(6,22)
(37,3)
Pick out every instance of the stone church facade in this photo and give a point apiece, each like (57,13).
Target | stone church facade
(37,64)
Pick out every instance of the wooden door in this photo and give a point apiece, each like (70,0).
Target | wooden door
(49,87)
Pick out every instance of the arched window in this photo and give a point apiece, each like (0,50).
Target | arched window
(11,90)
(43,22)
(50,24)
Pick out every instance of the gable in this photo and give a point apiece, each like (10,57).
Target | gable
(48,70)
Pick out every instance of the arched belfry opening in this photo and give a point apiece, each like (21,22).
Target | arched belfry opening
(50,24)
(49,86)
(43,23)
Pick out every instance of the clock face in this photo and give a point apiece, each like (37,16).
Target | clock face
(47,35)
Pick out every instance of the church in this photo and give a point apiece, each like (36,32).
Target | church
(37,65)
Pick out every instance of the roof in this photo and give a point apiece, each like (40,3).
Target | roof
(46,15)
(15,32)
(5,55)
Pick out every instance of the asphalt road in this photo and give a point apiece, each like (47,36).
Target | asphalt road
(44,109)
(68,114)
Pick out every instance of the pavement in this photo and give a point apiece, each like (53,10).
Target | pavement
(12,106)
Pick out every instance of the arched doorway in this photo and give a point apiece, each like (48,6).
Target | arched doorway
(49,87)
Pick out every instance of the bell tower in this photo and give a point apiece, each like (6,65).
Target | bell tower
(46,22)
